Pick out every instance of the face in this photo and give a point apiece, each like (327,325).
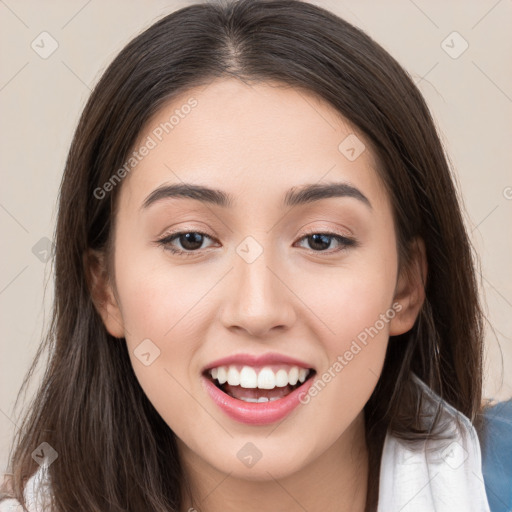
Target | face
(291,297)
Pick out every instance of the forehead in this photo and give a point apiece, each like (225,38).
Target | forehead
(251,139)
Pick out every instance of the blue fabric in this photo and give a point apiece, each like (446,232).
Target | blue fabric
(496,445)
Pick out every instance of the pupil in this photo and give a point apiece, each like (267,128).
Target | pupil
(191,239)
(325,238)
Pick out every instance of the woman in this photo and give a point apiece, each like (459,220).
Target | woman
(324,349)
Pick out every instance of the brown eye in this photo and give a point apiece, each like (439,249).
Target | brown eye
(190,242)
(321,242)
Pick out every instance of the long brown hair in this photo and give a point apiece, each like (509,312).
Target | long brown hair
(115,452)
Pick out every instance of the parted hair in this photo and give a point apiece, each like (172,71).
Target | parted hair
(115,452)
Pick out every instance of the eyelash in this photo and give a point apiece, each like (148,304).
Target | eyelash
(166,241)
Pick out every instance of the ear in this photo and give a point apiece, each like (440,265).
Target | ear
(102,292)
(410,289)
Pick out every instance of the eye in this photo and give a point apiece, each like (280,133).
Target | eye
(190,241)
(321,241)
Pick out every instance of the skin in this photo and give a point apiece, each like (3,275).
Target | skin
(255,142)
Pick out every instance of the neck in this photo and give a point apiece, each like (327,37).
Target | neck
(335,481)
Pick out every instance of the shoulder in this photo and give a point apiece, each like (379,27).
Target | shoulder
(36,494)
(496,440)
(10,505)
(441,472)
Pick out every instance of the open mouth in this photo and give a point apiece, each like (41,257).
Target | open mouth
(258,385)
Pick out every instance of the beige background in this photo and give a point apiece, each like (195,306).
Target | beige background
(41,100)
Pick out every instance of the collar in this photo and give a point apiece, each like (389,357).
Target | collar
(443,475)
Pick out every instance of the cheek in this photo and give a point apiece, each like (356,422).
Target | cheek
(355,303)
(159,299)
(160,307)
(158,312)
(355,356)
(352,297)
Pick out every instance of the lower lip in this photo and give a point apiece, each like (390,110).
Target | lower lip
(256,413)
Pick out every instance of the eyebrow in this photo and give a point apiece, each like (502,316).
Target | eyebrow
(304,194)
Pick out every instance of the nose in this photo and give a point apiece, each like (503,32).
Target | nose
(259,299)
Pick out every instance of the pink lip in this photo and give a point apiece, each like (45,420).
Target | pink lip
(250,360)
(256,413)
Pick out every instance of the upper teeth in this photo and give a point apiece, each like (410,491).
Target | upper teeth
(265,379)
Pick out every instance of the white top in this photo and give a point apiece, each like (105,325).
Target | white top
(444,476)
(36,494)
